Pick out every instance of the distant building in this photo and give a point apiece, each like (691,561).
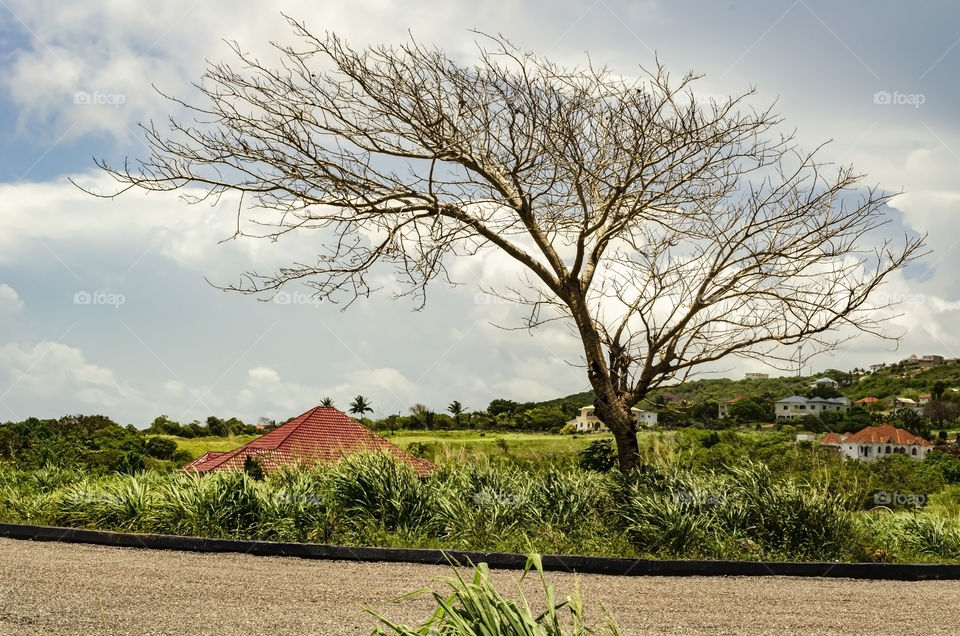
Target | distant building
(867,401)
(645,419)
(906,403)
(824,382)
(924,399)
(878,441)
(756,376)
(928,362)
(795,406)
(723,410)
(876,367)
(588,422)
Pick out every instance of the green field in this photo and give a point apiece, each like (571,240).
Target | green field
(519,445)
(197,446)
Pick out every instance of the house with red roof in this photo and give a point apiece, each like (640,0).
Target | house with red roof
(873,442)
(867,400)
(321,435)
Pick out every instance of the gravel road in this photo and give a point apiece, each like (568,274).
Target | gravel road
(52,588)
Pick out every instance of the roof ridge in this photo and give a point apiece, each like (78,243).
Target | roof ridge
(292,429)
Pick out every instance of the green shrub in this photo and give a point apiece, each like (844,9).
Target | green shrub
(160,448)
(378,488)
(600,455)
(476,607)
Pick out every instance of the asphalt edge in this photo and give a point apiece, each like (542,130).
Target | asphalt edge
(500,560)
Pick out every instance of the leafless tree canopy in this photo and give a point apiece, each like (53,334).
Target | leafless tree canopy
(668,231)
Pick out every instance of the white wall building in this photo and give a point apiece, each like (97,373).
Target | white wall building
(588,422)
(795,406)
(874,442)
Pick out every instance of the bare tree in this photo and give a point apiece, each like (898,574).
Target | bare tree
(667,231)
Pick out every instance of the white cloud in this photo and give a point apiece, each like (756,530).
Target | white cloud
(59,377)
(10,301)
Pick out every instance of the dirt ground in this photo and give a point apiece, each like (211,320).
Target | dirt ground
(53,588)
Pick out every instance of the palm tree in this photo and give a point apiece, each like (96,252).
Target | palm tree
(327,401)
(938,390)
(456,409)
(360,405)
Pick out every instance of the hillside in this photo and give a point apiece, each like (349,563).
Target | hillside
(903,380)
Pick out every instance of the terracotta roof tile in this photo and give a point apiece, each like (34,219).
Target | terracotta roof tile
(885,434)
(831,439)
(322,434)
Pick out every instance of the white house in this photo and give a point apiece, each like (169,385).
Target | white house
(587,422)
(824,382)
(795,406)
(756,376)
(878,441)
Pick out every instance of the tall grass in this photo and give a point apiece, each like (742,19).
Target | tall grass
(665,510)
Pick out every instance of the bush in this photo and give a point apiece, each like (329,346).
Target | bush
(380,489)
(160,448)
(600,456)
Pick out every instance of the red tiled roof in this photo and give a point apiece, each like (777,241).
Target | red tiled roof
(737,399)
(926,395)
(206,457)
(867,400)
(885,434)
(831,439)
(322,434)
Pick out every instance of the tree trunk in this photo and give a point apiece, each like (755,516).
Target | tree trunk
(621,423)
(608,405)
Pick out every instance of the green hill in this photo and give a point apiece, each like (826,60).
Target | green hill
(903,380)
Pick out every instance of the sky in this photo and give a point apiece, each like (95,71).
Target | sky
(112,306)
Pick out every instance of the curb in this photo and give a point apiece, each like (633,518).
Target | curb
(501,560)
